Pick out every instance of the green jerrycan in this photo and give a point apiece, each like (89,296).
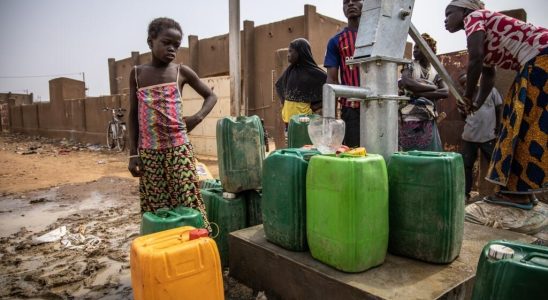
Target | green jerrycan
(164,219)
(240,151)
(253,207)
(347,211)
(297,131)
(227,213)
(511,270)
(426,205)
(284,197)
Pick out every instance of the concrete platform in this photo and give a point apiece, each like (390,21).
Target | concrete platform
(285,274)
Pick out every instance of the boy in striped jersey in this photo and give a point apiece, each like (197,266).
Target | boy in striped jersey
(340,48)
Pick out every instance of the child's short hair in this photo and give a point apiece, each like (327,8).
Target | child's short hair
(159,24)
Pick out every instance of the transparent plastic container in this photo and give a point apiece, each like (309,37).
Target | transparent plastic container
(326,133)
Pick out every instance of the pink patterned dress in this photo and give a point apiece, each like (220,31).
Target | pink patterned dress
(169,166)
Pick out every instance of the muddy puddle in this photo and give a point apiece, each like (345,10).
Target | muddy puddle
(101,219)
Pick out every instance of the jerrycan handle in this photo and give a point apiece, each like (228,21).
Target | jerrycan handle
(165,212)
(527,258)
(346,155)
(216,190)
(427,153)
(197,233)
(300,154)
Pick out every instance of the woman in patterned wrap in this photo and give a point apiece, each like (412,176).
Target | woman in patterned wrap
(519,164)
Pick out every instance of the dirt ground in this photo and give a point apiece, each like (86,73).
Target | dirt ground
(86,189)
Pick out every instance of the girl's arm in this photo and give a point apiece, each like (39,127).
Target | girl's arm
(413,85)
(441,91)
(203,90)
(135,165)
(332,75)
(475,62)
(487,83)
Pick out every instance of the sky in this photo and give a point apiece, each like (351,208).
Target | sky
(45,39)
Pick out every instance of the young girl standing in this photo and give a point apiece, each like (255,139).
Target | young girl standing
(160,151)
(418,129)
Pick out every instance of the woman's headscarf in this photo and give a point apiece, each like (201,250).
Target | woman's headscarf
(470,4)
(430,41)
(303,80)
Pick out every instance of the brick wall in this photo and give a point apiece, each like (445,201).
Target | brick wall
(83,120)
(203,137)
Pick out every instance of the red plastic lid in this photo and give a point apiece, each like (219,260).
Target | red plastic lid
(198,233)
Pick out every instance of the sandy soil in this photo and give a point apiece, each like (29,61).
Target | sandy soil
(45,185)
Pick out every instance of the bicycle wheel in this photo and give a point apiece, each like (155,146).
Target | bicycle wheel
(111,143)
(121,137)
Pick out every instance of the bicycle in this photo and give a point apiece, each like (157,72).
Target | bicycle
(116,129)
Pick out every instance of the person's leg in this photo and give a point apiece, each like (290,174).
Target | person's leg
(469,157)
(351,118)
(153,191)
(183,180)
(487,148)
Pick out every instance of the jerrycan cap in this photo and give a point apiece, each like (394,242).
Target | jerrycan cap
(304,119)
(498,252)
(197,233)
(228,195)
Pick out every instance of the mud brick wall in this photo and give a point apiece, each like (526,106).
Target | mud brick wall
(209,57)
(83,119)
(203,137)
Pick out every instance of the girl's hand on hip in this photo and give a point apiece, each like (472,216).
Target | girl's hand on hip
(135,167)
(192,122)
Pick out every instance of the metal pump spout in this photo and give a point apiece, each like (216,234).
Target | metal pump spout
(332,91)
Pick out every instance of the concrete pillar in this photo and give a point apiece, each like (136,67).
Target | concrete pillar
(5,125)
(313,33)
(112,76)
(281,63)
(248,65)
(194,54)
(234,57)
(135,58)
